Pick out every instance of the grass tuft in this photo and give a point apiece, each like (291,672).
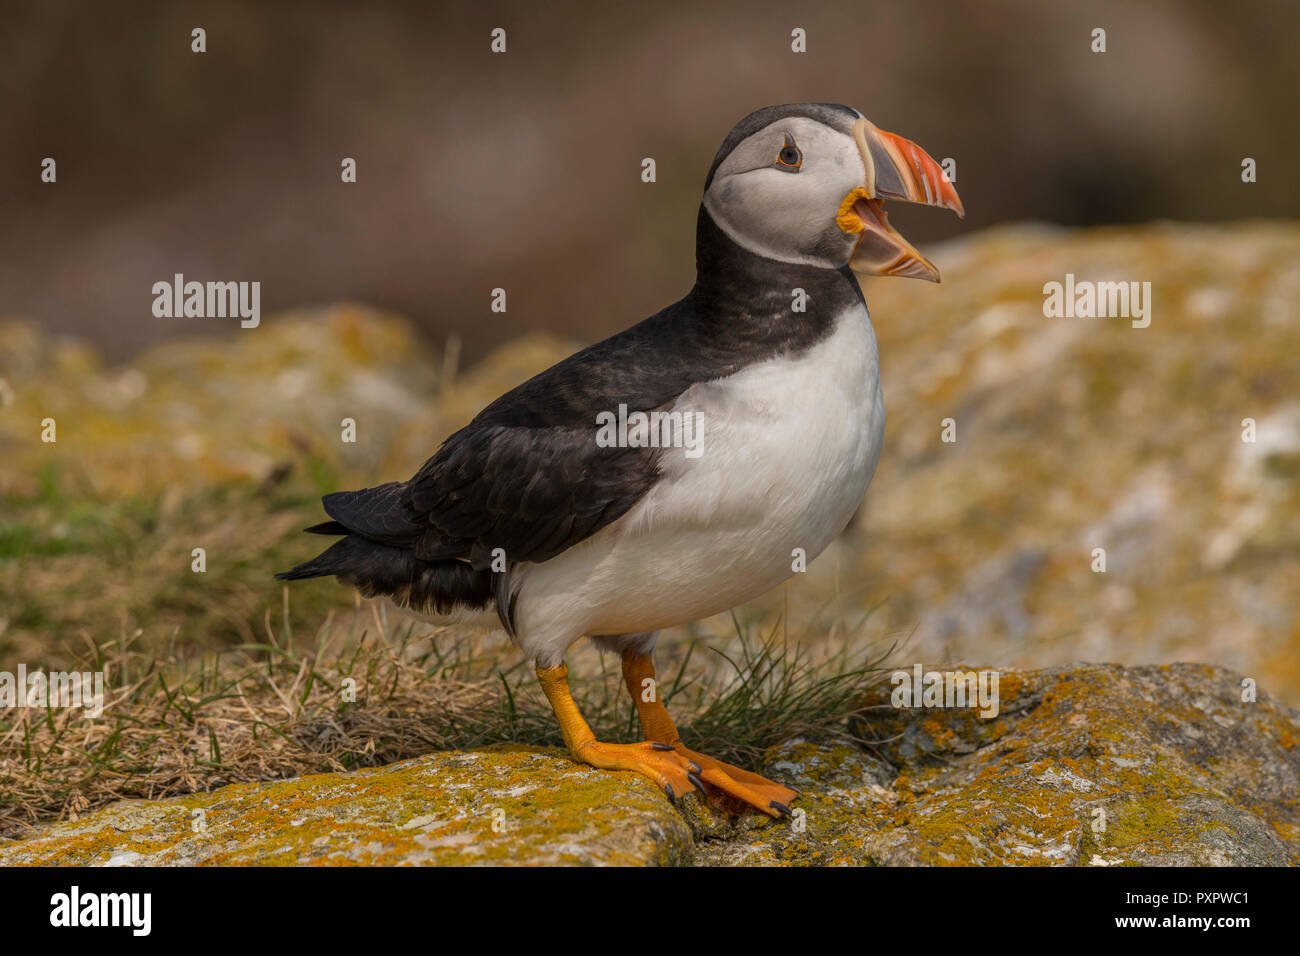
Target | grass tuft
(369,694)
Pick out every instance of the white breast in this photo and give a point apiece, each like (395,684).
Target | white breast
(789,447)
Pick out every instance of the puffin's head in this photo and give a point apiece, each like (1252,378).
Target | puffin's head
(807,183)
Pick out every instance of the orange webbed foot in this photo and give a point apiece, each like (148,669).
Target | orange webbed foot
(767,795)
(660,763)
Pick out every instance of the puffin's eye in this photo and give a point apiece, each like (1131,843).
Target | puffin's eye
(790,156)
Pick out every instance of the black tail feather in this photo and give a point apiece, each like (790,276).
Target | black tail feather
(382,513)
(376,569)
(327,527)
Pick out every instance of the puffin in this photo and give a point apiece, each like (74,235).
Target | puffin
(678,468)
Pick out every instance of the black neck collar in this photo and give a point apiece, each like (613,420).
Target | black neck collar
(750,298)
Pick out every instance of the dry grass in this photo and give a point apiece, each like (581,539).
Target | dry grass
(173,725)
(74,565)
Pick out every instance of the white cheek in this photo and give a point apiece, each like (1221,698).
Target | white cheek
(785,216)
(829,183)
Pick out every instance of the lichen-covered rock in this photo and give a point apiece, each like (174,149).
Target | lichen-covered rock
(845,795)
(1089,765)
(481,807)
(1094,764)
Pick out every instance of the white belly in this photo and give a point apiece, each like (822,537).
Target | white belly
(789,447)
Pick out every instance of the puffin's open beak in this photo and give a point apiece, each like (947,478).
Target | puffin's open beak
(896,169)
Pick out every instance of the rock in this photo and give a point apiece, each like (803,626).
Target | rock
(1094,764)
(456,808)
(1088,765)
(845,792)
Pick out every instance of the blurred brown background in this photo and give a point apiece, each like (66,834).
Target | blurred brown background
(522,170)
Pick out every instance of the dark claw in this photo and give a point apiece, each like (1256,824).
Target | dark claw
(696,768)
(699,784)
(781,808)
(656,745)
(668,788)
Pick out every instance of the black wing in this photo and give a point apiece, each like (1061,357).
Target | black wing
(526,475)
(533,492)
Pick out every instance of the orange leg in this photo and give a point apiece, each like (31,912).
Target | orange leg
(657,726)
(661,763)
